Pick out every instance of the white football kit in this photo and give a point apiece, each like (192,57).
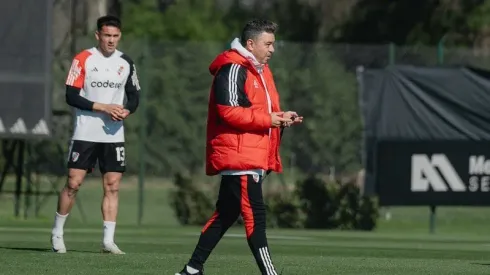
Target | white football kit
(103,80)
(94,78)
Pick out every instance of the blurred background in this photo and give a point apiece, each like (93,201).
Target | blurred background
(319,46)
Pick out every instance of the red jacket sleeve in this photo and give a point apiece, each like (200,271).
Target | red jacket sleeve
(232,103)
(244,118)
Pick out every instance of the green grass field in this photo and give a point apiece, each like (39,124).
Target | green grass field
(401,245)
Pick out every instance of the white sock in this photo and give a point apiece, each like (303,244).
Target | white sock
(59,223)
(191,270)
(109,228)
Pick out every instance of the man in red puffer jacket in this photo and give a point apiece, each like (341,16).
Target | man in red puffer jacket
(243,136)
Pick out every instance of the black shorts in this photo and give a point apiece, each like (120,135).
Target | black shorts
(84,154)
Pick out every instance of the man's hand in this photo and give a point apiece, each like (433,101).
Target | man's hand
(124,115)
(115,111)
(293,116)
(278,119)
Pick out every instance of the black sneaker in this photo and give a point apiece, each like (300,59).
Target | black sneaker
(184,272)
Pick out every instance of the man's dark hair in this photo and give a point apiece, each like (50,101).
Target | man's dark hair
(108,20)
(256,27)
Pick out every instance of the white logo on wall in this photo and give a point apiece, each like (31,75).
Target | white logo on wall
(2,128)
(19,127)
(41,128)
(439,174)
(479,170)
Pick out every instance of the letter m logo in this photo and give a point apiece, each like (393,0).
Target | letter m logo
(425,174)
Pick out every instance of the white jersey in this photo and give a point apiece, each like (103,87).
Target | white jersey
(102,80)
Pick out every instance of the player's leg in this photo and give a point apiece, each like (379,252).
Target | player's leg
(109,208)
(112,166)
(226,213)
(253,213)
(80,159)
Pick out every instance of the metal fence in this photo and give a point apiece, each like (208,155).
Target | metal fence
(167,134)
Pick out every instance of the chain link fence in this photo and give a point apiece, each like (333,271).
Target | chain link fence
(167,134)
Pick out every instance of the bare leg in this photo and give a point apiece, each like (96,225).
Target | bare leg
(69,192)
(110,203)
(66,200)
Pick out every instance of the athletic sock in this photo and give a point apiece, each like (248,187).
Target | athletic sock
(59,224)
(191,270)
(109,229)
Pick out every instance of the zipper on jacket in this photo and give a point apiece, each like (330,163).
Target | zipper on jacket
(269,107)
(269,101)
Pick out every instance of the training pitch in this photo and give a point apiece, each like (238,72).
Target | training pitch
(400,246)
(25,250)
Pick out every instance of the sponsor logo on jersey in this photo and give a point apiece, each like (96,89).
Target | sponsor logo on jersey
(105,84)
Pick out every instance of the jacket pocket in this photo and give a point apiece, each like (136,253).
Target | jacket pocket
(239,143)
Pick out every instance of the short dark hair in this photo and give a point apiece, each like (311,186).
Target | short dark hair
(256,27)
(108,20)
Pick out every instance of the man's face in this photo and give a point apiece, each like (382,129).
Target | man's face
(108,38)
(262,47)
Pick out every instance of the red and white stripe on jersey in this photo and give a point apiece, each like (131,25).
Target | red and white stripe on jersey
(76,75)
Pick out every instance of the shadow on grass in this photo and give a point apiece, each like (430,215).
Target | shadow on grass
(46,250)
(484,264)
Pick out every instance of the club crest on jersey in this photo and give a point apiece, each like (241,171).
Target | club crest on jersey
(75,156)
(121,69)
(256,177)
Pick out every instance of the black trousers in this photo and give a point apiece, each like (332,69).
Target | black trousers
(237,195)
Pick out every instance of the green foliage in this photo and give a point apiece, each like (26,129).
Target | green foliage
(479,18)
(310,81)
(190,204)
(313,82)
(336,205)
(282,210)
(368,21)
(173,49)
(349,208)
(367,213)
(177,107)
(302,26)
(319,202)
(312,204)
(186,20)
(178,80)
(459,22)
